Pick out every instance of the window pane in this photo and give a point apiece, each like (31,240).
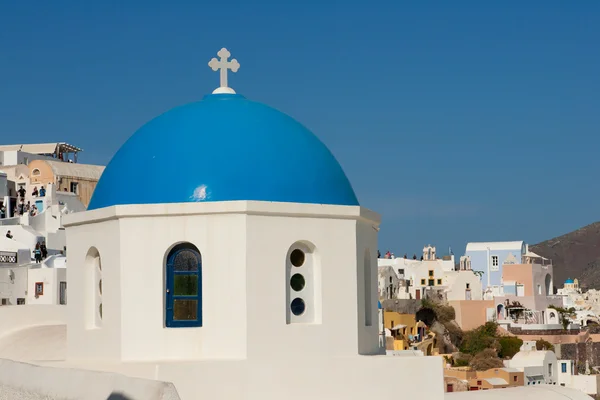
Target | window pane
(185,260)
(185,285)
(185,310)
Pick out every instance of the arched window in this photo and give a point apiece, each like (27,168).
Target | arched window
(93,265)
(303,285)
(183,287)
(35,172)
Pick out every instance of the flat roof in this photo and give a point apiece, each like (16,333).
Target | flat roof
(482,246)
(41,148)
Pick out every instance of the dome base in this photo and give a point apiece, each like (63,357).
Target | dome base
(223,90)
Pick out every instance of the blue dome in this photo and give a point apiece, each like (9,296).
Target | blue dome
(569,280)
(222,148)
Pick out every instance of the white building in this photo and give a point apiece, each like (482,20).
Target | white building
(404,278)
(539,366)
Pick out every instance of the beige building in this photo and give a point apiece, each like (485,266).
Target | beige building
(464,378)
(80,179)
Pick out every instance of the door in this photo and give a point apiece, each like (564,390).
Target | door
(418,294)
(184,288)
(62,294)
(39,204)
(449,388)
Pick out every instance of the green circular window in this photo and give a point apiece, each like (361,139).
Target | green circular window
(297,282)
(297,258)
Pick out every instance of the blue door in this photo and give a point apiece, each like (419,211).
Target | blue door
(184,287)
(39,205)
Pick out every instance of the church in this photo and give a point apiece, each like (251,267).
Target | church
(253,275)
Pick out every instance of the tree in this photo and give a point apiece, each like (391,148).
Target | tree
(542,344)
(485,360)
(479,339)
(509,346)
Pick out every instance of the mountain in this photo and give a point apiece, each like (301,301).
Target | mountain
(574,255)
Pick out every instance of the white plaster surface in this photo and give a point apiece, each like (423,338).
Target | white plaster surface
(29,382)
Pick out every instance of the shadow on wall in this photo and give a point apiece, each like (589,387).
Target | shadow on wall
(118,396)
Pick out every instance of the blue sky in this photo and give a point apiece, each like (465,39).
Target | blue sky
(457,121)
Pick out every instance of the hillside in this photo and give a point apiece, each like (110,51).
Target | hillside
(574,255)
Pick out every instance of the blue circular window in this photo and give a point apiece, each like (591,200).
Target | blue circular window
(298,306)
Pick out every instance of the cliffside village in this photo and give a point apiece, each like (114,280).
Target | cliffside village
(495,317)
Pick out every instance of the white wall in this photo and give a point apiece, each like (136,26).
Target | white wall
(13,284)
(30,382)
(457,285)
(244,285)
(51,278)
(15,318)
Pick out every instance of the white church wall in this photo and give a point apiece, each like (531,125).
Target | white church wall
(86,339)
(146,243)
(134,252)
(334,238)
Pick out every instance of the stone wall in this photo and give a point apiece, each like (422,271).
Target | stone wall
(580,352)
(539,332)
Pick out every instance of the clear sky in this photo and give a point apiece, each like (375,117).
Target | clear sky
(456,120)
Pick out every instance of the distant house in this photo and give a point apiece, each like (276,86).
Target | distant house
(79,179)
(489,257)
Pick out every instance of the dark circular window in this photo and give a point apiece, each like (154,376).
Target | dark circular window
(297,258)
(297,282)
(298,306)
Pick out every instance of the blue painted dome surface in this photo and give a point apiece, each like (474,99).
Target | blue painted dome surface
(569,280)
(222,148)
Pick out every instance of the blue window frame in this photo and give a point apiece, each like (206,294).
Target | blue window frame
(184,287)
(564,368)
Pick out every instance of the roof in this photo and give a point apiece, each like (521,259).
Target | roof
(496,381)
(85,171)
(505,369)
(234,149)
(41,148)
(545,392)
(534,255)
(530,358)
(482,246)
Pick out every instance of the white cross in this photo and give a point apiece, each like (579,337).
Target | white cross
(224,65)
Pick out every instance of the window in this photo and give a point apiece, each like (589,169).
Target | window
(5,302)
(39,289)
(401,271)
(439,281)
(183,287)
(430,272)
(514,378)
(35,172)
(423,282)
(93,300)
(75,187)
(539,287)
(468,286)
(549,369)
(302,285)
(20,301)
(431,282)
(563,368)
(478,383)
(495,263)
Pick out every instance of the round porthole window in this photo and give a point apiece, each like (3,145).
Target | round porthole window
(297,282)
(297,258)
(298,306)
